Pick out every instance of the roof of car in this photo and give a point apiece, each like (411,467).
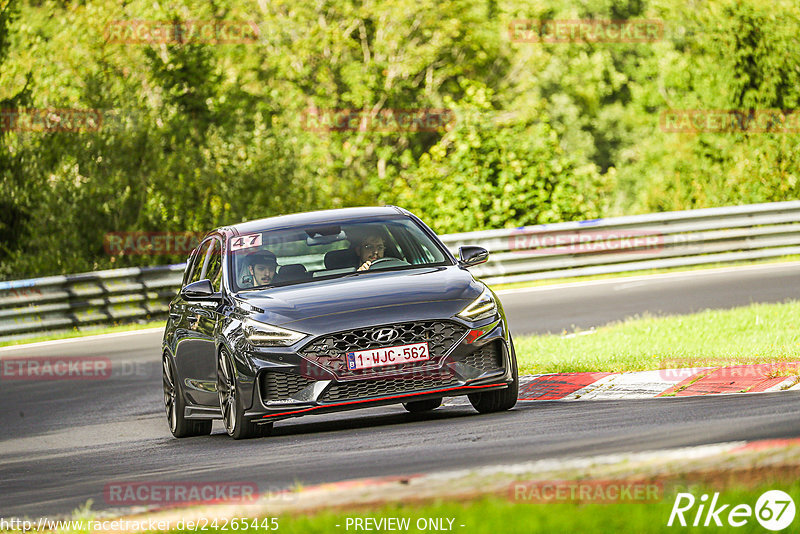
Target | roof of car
(314,217)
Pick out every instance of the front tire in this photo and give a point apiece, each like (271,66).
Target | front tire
(175,404)
(501,399)
(422,405)
(230,404)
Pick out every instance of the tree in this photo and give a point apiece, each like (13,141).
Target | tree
(491,171)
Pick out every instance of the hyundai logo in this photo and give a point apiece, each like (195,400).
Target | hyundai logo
(385,335)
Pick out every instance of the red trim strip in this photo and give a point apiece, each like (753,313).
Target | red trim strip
(381,398)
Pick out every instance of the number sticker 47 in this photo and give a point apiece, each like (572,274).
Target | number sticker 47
(245,241)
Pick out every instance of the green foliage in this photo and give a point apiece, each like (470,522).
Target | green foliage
(13,198)
(197,135)
(739,56)
(491,172)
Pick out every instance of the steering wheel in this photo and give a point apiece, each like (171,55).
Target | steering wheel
(394,261)
(380,260)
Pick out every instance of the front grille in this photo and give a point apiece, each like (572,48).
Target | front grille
(487,358)
(381,387)
(276,386)
(329,350)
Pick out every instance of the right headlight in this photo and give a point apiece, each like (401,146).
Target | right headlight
(267,335)
(482,307)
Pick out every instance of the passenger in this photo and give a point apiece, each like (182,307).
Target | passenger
(261,267)
(369,248)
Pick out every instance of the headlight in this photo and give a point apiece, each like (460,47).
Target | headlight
(482,307)
(266,335)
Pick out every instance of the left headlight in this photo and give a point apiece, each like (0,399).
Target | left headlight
(267,335)
(482,307)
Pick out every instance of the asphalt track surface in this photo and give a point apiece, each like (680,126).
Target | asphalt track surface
(586,304)
(64,441)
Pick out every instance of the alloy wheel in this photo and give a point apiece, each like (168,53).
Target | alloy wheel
(169,394)
(226,387)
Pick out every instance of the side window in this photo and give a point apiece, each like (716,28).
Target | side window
(214,267)
(199,260)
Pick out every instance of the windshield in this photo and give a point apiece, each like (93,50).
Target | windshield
(303,254)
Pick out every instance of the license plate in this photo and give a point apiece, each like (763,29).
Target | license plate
(365,359)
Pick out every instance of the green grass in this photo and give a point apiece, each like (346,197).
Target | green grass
(494,515)
(85,332)
(644,272)
(759,333)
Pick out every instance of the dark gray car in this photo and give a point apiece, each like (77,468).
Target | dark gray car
(330,311)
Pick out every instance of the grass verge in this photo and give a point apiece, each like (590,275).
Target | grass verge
(494,514)
(758,333)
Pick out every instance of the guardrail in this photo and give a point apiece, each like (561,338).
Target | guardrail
(650,241)
(56,303)
(656,240)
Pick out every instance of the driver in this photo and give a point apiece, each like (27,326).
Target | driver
(261,267)
(370,248)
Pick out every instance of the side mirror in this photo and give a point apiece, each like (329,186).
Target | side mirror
(471,255)
(200,290)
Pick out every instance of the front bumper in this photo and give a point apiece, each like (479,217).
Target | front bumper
(469,360)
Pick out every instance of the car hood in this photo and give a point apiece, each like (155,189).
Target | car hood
(369,298)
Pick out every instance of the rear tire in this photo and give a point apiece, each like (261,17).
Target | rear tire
(230,404)
(175,405)
(422,405)
(501,399)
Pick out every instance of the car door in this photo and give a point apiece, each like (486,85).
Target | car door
(195,356)
(177,307)
(182,317)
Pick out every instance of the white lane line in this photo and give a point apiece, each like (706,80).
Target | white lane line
(648,277)
(96,337)
(576,334)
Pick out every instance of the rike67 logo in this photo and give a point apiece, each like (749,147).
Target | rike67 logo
(774,510)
